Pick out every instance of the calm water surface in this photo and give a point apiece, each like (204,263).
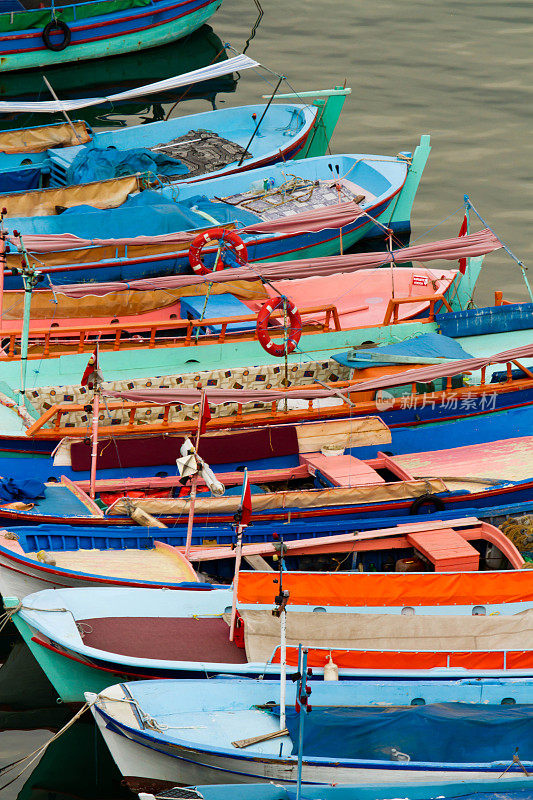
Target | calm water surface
(459,71)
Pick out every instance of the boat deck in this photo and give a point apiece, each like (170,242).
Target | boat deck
(170,639)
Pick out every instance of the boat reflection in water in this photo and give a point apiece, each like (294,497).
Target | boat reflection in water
(111,75)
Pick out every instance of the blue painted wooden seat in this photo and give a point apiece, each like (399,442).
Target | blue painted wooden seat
(218,305)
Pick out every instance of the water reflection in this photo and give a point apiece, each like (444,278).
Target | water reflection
(77,765)
(119,73)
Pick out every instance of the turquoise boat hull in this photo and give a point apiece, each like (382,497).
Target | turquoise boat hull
(106,34)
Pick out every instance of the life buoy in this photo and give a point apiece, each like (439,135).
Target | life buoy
(294,333)
(426,500)
(53,27)
(228,237)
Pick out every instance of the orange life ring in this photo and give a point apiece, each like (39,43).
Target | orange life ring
(229,237)
(295,330)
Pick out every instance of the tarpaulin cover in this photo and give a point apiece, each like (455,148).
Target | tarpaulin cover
(43,202)
(99,164)
(236,64)
(20,180)
(11,489)
(367,589)
(234,447)
(336,216)
(474,244)
(38,139)
(415,641)
(430,345)
(443,733)
(216,396)
(495,319)
(310,498)
(427,374)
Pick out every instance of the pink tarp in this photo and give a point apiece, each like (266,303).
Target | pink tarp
(335,216)
(217,396)
(475,244)
(426,374)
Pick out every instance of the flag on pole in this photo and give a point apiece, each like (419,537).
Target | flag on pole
(463,230)
(246,501)
(92,373)
(205,414)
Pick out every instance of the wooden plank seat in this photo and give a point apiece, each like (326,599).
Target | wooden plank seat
(345,470)
(446,549)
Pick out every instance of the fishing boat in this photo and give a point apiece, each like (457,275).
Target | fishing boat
(168,733)
(186,148)
(32,559)
(301,211)
(85,638)
(32,38)
(293,473)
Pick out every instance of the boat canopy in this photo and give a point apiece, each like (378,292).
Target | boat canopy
(474,244)
(236,64)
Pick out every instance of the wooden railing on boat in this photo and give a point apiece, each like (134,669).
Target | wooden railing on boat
(48,426)
(117,336)
(395,302)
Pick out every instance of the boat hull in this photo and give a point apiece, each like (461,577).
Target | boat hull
(123,33)
(150,763)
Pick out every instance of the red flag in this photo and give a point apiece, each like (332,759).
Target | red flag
(246,501)
(92,372)
(463,230)
(205,415)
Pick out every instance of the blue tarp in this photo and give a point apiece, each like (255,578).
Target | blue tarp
(437,733)
(431,345)
(28,489)
(20,180)
(147,213)
(94,164)
(495,319)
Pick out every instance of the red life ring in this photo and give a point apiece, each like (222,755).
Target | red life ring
(295,330)
(232,238)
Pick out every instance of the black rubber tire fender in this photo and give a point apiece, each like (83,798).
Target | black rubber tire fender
(426,500)
(52,27)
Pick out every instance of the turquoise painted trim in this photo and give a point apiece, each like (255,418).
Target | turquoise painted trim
(69,678)
(129,364)
(118,45)
(404,205)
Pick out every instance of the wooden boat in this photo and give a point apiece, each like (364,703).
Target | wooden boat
(29,562)
(414,547)
(133,415)
(84,638)
(200,730)
(310,222)
(175,733)
(37,37)
(462,477)
(194,147)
